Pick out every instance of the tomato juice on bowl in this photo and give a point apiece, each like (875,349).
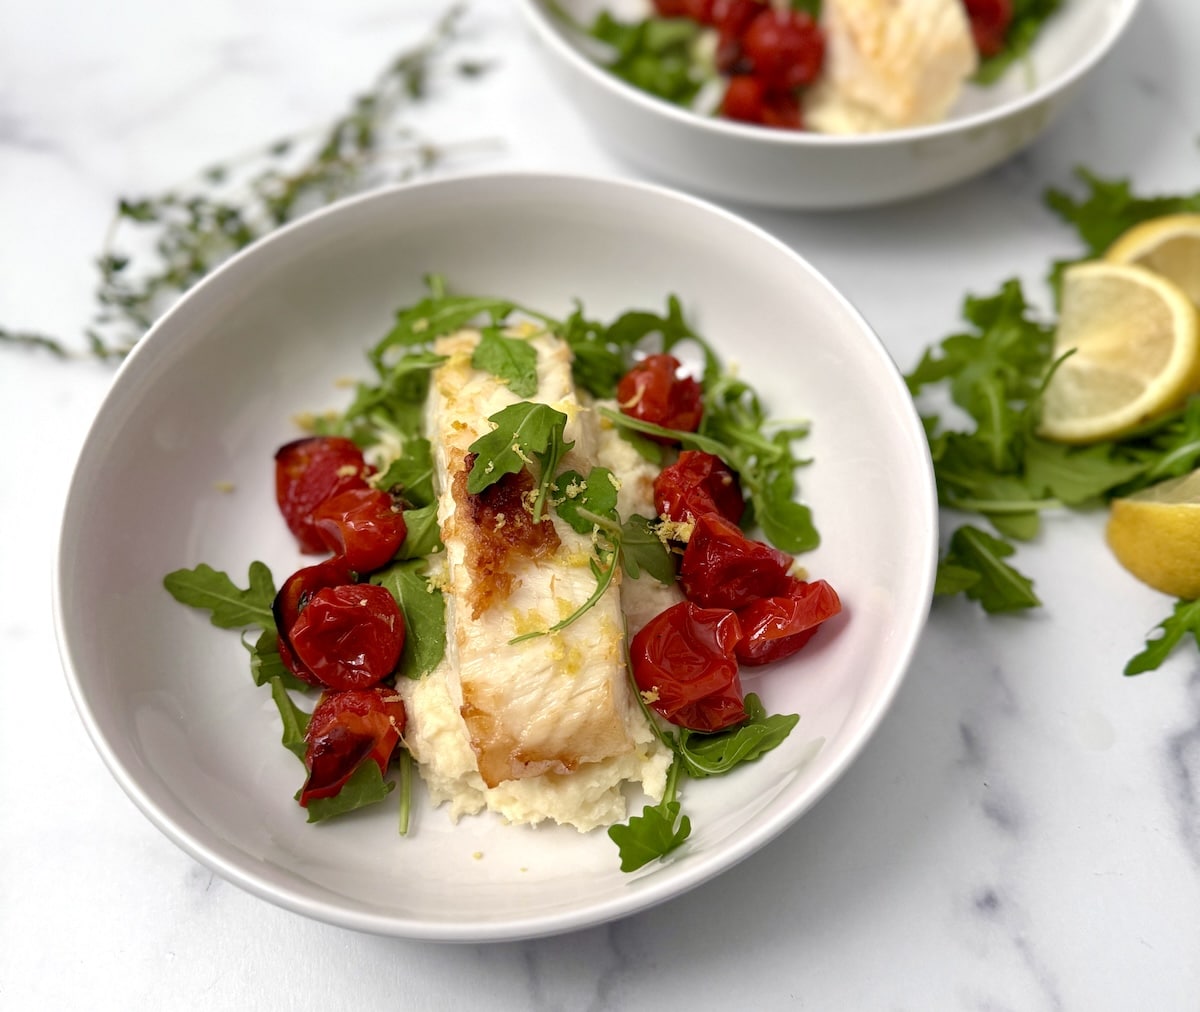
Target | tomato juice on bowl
(208,399)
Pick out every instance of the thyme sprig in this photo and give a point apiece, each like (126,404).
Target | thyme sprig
(183,233)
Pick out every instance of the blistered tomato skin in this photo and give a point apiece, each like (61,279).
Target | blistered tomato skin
(685,666)
(309,471)
(652,391)
(989,24)
(722,568)
(785,49)
(696,484)
(363,525)
(349,637)
(296,592)
(776,627)
(346,729)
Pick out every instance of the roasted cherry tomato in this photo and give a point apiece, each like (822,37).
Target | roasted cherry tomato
(784,48)
(295,593)
(350,636)
(696,484)
(685,666)
(748,100)
(697,10)
(776,627)
(363,525)
(722,568)
(346,729)
(731,19)
(989,24)
(652,391)
(309,471)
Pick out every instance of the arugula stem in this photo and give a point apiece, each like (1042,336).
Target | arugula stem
(999,506)
(602,584)
(406,764)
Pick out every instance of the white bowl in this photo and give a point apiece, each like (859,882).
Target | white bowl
(211,392)
(803,170)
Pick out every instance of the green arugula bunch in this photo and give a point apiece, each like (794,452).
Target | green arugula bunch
(988,459)
(1028,19)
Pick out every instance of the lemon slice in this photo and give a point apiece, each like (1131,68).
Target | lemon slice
(1155,534)
(1136,352)
(1169,246)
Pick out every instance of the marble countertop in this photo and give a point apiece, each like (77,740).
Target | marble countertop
(1023,833)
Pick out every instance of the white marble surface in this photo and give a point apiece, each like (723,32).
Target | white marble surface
(1022,834)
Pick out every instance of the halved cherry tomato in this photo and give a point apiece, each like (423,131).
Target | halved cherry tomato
(684,664)
(785,49)
(309,471)
(364,525)
(652,391)
(295,593)
(731,19)
(346,729)
(697,10)
(722,568)
(350,636)
(776,627)
(989,24)
(696,484)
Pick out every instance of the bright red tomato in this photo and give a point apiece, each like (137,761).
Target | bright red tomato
(345,730)
(685,666)
(697,10)
(696,484)
(784,48)
(731,19)
(652,391)
(989,24)
(776,627)
(722,568)
(350,636)
(291,599)
(309,471)
(364,525)
(748,100)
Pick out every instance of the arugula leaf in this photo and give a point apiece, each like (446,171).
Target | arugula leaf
(1028,19)
(710,755)
(424,536)
(396,402)
(1184,619)
(522,431)
(642,549)
(410,475)
(596,494)
(424,611)
(295,720)
(511,359)
(1107,210)
(366,786)
(229,606)
(654,54)
(659,830)
(998,587)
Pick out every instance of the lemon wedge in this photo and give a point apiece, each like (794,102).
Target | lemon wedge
(1169,246)
(1136,345)
(1155,534)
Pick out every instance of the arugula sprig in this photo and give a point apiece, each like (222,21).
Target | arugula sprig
(662,828)
(988,459)
(1028,19)
(522,433)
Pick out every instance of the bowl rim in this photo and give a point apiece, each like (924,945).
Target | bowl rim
(555,37)
(347,913)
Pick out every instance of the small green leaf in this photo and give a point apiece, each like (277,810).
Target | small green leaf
(649,836)
(424,536)
(521,431)
(295,720)
(709,755)
(642,549)
(411,474)
(999,587)
(266,664)
(1183,620)
(596,494)
(424,611)
(366,786)
(229,606)
(511,359)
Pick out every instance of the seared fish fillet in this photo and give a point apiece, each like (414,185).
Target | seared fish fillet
(890,64)
(548,727)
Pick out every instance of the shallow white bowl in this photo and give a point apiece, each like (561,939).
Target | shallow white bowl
(799,170)
(211,392)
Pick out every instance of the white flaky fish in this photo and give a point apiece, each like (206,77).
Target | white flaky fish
(546,728)
(890,64)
